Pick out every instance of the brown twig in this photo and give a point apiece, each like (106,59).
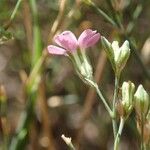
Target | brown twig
(27,19)
(3,117)
(46,130)
(59,20)
(90,97)
(47,133)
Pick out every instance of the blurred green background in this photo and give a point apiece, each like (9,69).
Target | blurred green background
(63,103)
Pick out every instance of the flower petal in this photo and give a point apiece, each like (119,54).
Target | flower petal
(88,38)
(56,50)
(67,40)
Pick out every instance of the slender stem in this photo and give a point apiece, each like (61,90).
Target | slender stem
(15,9)
(115,15)
(71,147)
(114,122)
(6,26)
(101,12)
(115,24)
(138,58)
(3,118)
(37,46)
(118,22)
(19,140)
(103,100)
(136,14)
(68,142)
(117,140)
(142,132)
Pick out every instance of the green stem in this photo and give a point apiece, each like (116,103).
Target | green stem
(6,26)
(142,132)
(114,122)
(138,59)
(15,10)
(71,147)
(115,15)
(132,23)
(68,142)
(19,140)
(117,140)
(103,100)
(37,46)
(102,13)
(115,24)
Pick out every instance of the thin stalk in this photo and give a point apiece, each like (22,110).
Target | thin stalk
(115,15)
(142,132)
(102,13)
(68,141)
(6,26)
(114,23)
(71,147)
(3,118)
(114,122)
(103,100)
(117,140)
(15,10)
(59,20)
(138,59)
(19,140)
(132,23)
(37,46)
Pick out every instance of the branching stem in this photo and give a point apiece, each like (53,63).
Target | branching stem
(117,140)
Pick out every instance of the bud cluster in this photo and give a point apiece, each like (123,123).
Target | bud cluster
(118,56)
(138,100)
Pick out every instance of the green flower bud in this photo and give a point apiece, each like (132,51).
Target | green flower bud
(86,70)
(142,102)
(109,50)
(121,55)
(118,56)
(128,89)
(83,67)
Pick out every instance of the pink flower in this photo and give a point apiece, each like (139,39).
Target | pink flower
(68,42)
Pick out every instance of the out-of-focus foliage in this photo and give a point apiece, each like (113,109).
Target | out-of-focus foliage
(61,105)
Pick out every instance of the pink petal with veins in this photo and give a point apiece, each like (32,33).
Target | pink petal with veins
(67,40)
(56,50)
(88,38)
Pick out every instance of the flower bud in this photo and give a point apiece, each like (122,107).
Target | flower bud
(83,67)
(121,55)
(128,89)
(118,56)
(142,101)
(109,50)
(86,70)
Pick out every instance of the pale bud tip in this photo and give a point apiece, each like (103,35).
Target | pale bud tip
(67,140)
